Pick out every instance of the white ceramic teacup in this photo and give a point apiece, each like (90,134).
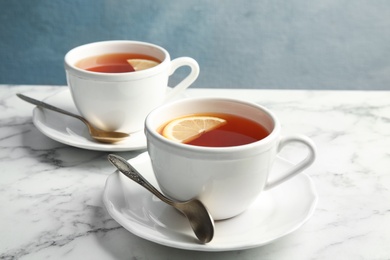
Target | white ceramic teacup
(121,101)
(226,179)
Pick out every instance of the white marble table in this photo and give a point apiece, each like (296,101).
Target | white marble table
(51,194)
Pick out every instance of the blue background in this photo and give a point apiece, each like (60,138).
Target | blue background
(283,44)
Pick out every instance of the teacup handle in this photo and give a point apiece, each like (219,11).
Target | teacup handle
(187,81)
(306,162)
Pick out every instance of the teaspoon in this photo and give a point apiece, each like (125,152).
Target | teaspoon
(97,134)
(200,219)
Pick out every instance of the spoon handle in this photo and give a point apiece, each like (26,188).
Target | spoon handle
(128,170)
(45,105)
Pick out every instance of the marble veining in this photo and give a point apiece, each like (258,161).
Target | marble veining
(51,193)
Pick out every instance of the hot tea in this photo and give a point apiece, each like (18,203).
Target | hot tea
(228,178)
(214,130)
(113,63)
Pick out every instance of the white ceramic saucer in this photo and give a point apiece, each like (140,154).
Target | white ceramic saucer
(73,132)
(274,214)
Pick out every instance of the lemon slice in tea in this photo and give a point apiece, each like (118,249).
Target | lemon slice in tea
(188,128)
(142,64)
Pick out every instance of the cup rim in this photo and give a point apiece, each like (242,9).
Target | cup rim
(239,151)
(103,76)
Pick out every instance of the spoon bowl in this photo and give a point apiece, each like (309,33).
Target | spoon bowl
(97,134)
(200,219)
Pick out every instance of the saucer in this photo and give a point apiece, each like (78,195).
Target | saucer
(274,214)
(73,132)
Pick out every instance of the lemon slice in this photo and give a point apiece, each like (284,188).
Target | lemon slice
(186,129)
(141,64)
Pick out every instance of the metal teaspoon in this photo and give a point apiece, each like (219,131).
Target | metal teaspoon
(97,134)
(200,219)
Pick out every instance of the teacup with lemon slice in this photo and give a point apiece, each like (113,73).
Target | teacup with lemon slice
(115,84)
(218,150)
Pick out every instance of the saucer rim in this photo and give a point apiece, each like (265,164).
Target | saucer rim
(39,122)
(61,137)
(124,222)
